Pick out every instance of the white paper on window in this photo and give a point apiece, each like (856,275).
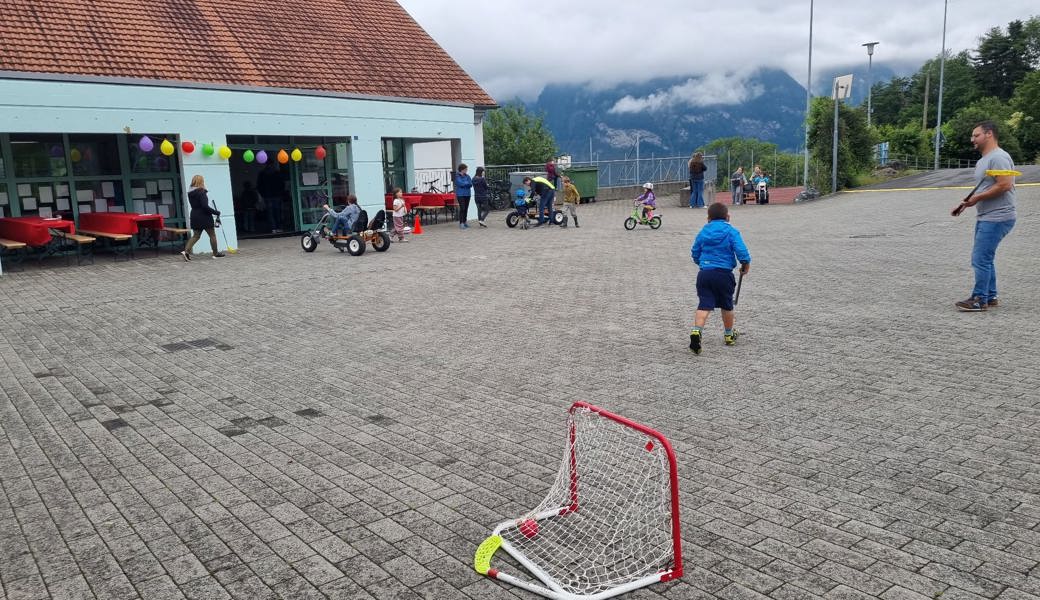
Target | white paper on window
(24,189)
(46,194)
(84,196)
(45,212)
(165,185)
(61,190)
(151,187)
(108,189)
(84,208)
(138,192)
(164,211)
(100,205)
(167,197)
(310,178)
(29,203)
(149,208)
(3,198)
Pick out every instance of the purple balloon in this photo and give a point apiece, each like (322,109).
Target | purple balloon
(261,157)
(57,151)
(146,144)
(161,164)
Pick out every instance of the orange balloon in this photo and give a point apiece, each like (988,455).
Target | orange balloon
(283,156)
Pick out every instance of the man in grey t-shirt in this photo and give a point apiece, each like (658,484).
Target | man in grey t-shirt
(994,202)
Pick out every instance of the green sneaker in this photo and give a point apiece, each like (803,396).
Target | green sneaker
(731,339)
(695,342)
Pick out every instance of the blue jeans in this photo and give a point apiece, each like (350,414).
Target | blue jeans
(545,202)
(738,194)
(342,225)
(987,237)
(696,193)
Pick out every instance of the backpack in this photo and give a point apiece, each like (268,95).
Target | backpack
(361,223)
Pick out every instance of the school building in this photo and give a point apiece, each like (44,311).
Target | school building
(113,106)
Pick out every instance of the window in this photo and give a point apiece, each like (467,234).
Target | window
(155,196)
(94,155)
(100,196)
(5,203)
(38,155)
(154,161)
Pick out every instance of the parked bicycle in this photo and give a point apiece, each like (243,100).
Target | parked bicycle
(499,190)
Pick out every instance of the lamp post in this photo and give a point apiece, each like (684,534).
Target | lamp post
(942,68)
(808,101)
(870,78)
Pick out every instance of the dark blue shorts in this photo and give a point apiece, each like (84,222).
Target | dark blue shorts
(715,289)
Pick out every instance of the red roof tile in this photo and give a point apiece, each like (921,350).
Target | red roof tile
(370,47)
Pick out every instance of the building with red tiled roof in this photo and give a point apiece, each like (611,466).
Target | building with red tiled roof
(84,83)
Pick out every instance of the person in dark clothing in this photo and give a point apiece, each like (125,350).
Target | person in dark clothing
(546,192)
(201,217)
(481,196)
(463,191)
(697,169)
(271,186)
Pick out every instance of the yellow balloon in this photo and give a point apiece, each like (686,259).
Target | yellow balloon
(297,155)
(224,152)
(76,155)
(166,148)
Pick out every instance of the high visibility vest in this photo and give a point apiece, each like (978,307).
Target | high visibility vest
(545,181)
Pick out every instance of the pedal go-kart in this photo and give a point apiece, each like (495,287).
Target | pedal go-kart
(526,209)
(363,233)
(654,221)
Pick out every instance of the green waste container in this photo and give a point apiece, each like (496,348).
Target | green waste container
(586,179)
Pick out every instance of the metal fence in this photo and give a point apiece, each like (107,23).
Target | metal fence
(927,163)
(622,172)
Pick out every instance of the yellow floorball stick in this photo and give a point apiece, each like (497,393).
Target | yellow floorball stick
(989,173)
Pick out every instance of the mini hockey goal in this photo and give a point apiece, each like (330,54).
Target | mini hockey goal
(610,522)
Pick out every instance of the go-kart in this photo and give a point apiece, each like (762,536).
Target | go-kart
(356,241)
(527,210)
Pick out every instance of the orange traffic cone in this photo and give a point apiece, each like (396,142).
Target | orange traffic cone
(417,230)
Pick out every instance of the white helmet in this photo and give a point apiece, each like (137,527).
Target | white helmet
(648,186)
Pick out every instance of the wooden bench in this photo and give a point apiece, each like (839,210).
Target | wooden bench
(15,250)
(81,243)
(172,233)
(121,244)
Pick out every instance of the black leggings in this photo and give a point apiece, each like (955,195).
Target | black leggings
(483,208)
(463,208)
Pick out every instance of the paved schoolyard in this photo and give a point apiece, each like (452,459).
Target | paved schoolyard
(282,424)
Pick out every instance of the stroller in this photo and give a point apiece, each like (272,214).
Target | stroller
(362,232)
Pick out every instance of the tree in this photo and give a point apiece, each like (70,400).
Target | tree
(889,99)
(512,136)
(1002,60)
(1025,116)
(909,139)
(855,141)
(957,130)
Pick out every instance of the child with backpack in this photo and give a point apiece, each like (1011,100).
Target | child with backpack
(716,250)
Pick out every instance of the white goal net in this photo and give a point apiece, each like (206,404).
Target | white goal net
(609,523)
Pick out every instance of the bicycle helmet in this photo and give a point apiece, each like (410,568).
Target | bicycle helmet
(521,194)
(648,186)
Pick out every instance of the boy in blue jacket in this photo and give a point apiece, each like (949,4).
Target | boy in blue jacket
(716,251)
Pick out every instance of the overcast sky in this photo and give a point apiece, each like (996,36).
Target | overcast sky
(514,47)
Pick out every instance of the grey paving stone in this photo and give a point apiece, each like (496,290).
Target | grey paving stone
(840,449)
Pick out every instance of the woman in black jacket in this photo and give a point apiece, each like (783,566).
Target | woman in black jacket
(201,218)
(481,196)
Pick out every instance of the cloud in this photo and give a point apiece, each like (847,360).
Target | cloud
(516,47)
(714,88)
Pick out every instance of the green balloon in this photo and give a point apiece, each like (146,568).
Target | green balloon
(248,156)
(207,149)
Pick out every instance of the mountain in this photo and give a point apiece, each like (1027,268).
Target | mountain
(673,115)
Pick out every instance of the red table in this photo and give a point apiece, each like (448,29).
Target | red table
(34,231)
(120,223)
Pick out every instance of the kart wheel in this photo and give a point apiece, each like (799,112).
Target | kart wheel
(309,242)
(511,219)
(630,223)
(355,246)
(558,218)
(381,241)
(655,222)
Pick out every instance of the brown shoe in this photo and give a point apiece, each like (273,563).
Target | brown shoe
(973,304)
(993,303)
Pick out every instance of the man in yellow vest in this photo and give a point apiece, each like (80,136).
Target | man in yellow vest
(546,192)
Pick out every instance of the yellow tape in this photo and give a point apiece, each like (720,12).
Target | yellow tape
(1003,172)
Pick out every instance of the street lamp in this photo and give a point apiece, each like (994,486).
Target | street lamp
(808,101)
(942,68)
(842,89)
(870,79)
